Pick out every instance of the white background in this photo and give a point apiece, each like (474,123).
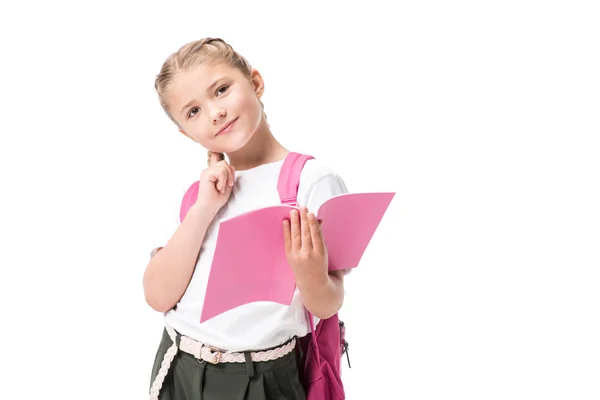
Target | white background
(482,281)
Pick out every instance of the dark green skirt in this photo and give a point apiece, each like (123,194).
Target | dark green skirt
(190,379)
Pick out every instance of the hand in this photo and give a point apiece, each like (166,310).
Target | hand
(216,183)
(305,249)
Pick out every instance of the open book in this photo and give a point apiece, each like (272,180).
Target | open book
(250,264)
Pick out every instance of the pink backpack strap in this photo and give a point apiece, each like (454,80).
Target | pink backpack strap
(189,198)
(289,177)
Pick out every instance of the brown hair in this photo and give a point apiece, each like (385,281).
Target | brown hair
(207,50)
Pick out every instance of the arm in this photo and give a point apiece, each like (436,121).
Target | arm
(324,299)
(170,270)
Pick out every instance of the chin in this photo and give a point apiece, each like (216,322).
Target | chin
(233,147)
(236,141)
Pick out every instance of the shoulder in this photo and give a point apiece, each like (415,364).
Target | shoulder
(314,170)
(319,181)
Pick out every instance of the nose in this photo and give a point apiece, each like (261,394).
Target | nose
(218,114)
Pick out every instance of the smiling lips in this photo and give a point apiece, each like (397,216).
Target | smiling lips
(227,127)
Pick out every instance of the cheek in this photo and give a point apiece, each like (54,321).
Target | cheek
(200,131)
(248,104)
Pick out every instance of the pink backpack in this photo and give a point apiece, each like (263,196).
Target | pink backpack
(322,350)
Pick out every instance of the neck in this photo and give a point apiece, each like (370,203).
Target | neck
(262,148)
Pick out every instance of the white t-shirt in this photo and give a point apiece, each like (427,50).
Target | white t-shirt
(257,325)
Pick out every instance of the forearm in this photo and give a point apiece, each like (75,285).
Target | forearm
(170,270)
(323,299)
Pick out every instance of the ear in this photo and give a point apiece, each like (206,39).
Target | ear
(257,83)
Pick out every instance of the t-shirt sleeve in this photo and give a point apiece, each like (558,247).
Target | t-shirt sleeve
(323,189)
(166,227)
(165,234)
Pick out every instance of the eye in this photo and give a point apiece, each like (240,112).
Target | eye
(192,113)
(222,89)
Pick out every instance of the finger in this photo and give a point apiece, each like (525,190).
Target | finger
(315,232)
(223,180)
(295,230)
(224,167)
(231,175)
(219,178)
(306,238)
(214,157)
(228,170)
(287,240)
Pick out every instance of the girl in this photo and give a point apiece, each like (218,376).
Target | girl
(214,97)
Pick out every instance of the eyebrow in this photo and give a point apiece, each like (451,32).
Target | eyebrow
(209,89)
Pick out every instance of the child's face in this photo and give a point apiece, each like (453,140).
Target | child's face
(206,98)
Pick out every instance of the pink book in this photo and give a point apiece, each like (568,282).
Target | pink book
(250,265)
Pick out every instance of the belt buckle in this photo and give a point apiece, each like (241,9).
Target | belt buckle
(216,355)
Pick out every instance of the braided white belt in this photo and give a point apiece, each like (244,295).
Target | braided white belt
(215,356)
(211,355)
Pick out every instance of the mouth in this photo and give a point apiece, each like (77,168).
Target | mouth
(227,127)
